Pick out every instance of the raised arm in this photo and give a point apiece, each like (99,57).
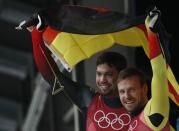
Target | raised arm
(157,110)
(51,73)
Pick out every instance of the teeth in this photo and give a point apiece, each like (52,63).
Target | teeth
(103,86)
(129,102)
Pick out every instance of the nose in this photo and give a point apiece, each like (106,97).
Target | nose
(127,95)
(103,78)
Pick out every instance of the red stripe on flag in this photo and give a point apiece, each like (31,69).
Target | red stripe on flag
(49,35)
(153,40)
(154,45)
(101,9)
(40,60)
(173,92)
(143,28)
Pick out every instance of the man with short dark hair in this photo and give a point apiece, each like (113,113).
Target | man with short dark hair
(105,109)
(102,108)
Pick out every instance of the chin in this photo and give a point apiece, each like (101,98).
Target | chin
(103,92)
(129,109)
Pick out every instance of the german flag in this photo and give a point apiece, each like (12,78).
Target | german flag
(75,33)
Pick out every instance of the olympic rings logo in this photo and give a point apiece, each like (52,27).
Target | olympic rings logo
(111,119)
(133,125)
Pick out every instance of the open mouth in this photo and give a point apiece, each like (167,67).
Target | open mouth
(129,102)
(103,86)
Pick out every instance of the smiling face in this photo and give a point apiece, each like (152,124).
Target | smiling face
(132,93)
(106,79)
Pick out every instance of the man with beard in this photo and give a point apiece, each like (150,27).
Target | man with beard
(101,108)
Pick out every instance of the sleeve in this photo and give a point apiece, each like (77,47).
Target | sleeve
(157,109)
(78,93)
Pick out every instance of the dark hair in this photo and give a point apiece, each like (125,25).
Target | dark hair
(113,59)
(128,72)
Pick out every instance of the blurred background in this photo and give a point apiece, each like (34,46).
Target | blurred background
(25,101)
